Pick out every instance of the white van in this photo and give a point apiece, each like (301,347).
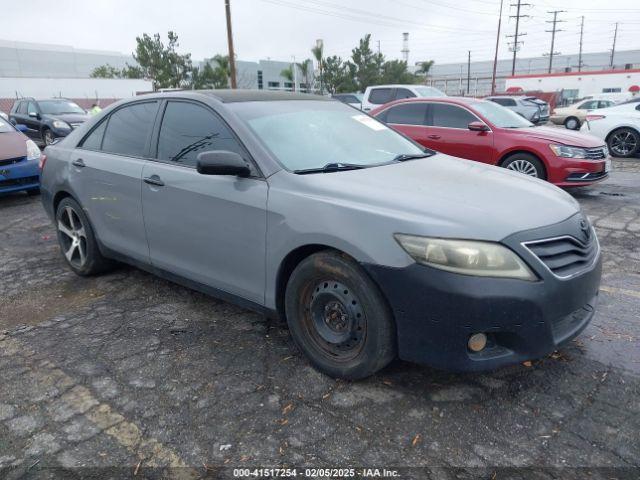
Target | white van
(381,94)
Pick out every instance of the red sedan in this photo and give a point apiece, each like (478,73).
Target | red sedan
(487,132)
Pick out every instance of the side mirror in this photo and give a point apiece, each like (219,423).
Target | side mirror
(33,114)
(478,126)
(21,127)
(222,162)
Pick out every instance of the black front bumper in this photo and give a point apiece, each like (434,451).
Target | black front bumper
(437,311)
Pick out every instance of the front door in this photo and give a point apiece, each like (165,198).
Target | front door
(107,176)
(209,229)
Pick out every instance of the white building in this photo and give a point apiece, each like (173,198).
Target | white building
(574,85)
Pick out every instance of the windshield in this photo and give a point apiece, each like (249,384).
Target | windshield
(429,92)
(5,127)
(57,107)
(308,134)
(500,116)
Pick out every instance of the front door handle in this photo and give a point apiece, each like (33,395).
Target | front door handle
(434,137)
(78,162)
(154,180)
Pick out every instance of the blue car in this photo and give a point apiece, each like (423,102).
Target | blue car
(20,160)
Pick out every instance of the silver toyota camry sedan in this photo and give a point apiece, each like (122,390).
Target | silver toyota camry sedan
(304,208)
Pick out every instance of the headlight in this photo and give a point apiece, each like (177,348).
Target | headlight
(568,152)
(469,257)
(61,124)
(33,152)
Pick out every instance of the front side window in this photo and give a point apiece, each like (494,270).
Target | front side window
(407,114)
(450,116)
(404,93)
(189,129)
(306,134)
(32,108)
(605,104)
(128,129)
(378,96)
(59,107)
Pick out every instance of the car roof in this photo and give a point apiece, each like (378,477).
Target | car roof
(453,100)
(232,96)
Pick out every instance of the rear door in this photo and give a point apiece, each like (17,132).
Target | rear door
(107,175)
(448,132)
(410,119)
(210,229)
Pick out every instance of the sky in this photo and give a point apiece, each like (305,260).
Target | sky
(441,30)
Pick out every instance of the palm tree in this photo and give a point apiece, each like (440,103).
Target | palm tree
(318,53)
(288,74)
(223,68)
(425,67)
(304,68)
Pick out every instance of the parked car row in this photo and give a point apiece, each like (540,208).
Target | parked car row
(370,245)
(573,116)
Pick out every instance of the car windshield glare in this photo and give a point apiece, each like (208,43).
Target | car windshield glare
(57,107)
(309,134)
(500,116)
(5,127)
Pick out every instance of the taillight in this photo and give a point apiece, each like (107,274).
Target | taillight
(591,118)
(43,160)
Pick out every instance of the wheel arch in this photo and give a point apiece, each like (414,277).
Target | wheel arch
(620,127)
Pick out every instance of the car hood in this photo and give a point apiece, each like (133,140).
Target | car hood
(12,145)
(442,196)
(558,135)
(70,117)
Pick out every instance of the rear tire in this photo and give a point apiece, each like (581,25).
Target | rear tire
(572,123)
(338,317)
(77,240)
(624,142)
(527,164)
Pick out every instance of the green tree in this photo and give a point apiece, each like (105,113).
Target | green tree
(318,54)
(395,71)
(365,65)
(288,74)
(105,71)
(425,67)
(305,71)
(337,76)
(163,65)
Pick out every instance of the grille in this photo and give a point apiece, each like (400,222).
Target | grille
(565,256)
(11,161)
(597,153)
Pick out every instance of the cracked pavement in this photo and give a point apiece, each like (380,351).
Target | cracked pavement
(129,374)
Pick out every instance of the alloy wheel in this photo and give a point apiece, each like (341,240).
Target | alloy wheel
(73,237)
(523,166)
(48,137)
(623,142)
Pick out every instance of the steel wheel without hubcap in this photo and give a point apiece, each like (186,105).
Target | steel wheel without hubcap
(623,143)
(523,166)
(73,238)
(335,320)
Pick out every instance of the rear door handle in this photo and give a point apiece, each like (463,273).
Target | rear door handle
(78,162)
(434,137)
(154,180)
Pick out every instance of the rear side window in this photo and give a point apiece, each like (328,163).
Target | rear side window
(189,129)
(94,140)
(589,105)
(404,93)
(378,96)
(128,129)
(505,102)
(408,114)
(604,104)
(450,116)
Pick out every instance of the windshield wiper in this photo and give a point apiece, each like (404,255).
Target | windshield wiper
(331,167)
(403,157)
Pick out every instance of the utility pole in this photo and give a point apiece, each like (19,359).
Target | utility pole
(516,43)
(553,31)
(469,72)
(232,58)
(580,51)
(495,59)
(613,48)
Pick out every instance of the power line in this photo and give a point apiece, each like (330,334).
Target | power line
(516,43)
(553,31)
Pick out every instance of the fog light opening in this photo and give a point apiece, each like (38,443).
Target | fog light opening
(477,342)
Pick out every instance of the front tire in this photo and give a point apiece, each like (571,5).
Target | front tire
(624,142)
(77,240)
(526,164)
(338,317)
(48,137)
(572,123)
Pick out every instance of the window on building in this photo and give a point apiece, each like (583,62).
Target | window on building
(260,84)
(273,85)
(288,86)
(128,129)
(611,90)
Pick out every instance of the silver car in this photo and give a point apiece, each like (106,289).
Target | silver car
(531,108)
(302,208)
